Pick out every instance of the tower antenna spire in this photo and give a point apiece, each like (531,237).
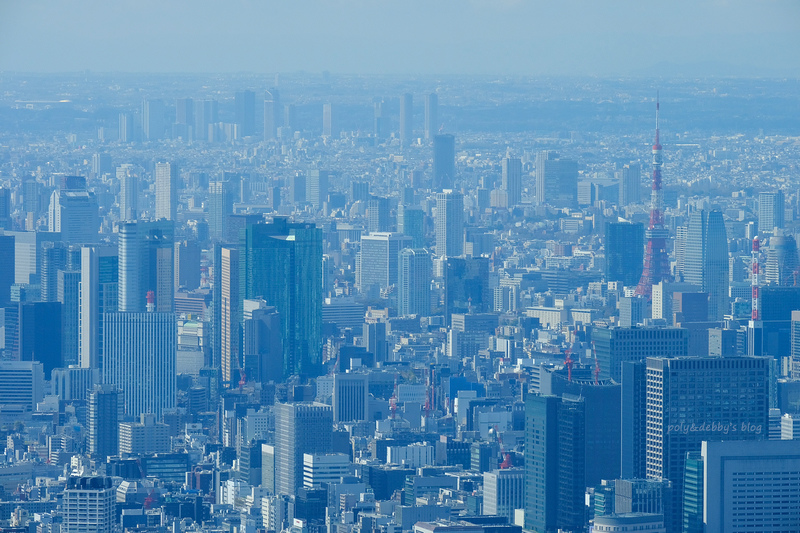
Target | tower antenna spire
(656,262)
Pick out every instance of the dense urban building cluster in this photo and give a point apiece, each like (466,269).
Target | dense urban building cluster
(464,306)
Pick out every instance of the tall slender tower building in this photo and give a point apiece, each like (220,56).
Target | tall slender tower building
(656,262)
(512,180)
(146,263)
(230,320)
(706,259)
(406,117)
(431,115)
(245,103)
(444,161)
(166,191)
(449,223)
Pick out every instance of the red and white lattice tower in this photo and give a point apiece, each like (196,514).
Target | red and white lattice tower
(656,262)
(755,315)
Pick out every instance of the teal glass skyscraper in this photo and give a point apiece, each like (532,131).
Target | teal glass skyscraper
(281,262)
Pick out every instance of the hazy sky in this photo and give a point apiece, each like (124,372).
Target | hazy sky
(526,37)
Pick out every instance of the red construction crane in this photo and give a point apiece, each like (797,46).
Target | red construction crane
(508,462)
(568,362)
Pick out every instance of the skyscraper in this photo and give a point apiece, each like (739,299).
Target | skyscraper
(281,262)
(128,192)
(328,129)
(146,263)
(300,428)
(449,224)
(431,115)
(99,288)
(68,295)
(230,319)
(153,125)
(556,180)
(220,205)
(692,399)
(411,222)
(350,400)
(317,187)
(512,180)
(444,161)
(782,261)
(37,340)
(614,345)
(7,266)
(245,102)
(466,286)
(74,212)
(630,184)
(378,214)
(54,258)
(272,113)
(706,259)
(166,191)
(262,345)
(187,264)
(378,260)
(414,277)
(125,127)
(771,211)
(106,407)
(139,353)
(89,504)
(406,117)
(624,252)
(206,113)
(541,463)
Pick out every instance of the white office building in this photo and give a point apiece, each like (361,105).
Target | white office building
(89,505)
(325,468)
(503,492)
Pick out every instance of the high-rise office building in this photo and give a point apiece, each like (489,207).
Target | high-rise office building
(106,407)
(139,353)
(449,224)
(153,124)
(128,192)
(706,259)
(414,276)
(187,264)
(692,399)
(373,338)
(125,131)
(74,212)
(21,384)
(68,295)
(411,222)
(262,343)
(184,111)
(377,265)
(556,180)
(732,471)
(206,113)
(300,428)
(328,124)
(7,268)
(99,288)
(630,184)
(431,115)
(771,211)
(166,191)
(633,420)
(54,258)
(220,205)
(282,263)
(542,463)
(614,345)
(378,214)
(5,208)
(89,504)
(37,339)
(503,492)
(406,117)
(350,397)
(624,252)
(146,263)
(466,286)
(512,180)
(444,161)
(230,355)
(782,261)
(272,113)
(245,103)
(317,187)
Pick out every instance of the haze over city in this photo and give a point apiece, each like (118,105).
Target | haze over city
(358,266)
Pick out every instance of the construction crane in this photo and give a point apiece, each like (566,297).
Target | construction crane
(568,362)
(508,462)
